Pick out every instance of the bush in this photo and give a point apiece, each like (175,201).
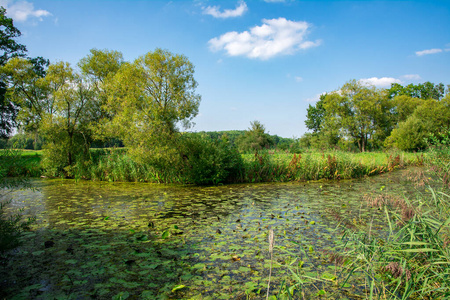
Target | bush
(207,161)
(63,156)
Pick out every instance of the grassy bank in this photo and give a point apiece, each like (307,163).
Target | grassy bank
(17,163)
(264,166)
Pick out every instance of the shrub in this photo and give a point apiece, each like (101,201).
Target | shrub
(207,161)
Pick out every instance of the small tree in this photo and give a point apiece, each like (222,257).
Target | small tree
(255,138)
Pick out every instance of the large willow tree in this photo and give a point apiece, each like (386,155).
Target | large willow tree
(149,99)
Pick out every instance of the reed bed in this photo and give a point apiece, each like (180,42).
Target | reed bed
(283,167)
(114,164)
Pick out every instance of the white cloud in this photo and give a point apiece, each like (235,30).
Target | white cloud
(298,78)
(411,77)
(214,11)
(20,11)
(380,82)
(428,51)
(274,37)
(314,98)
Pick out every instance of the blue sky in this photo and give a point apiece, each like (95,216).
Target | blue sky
(254,60)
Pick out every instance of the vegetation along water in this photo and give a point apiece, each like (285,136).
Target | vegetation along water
(128,239)
(133,204)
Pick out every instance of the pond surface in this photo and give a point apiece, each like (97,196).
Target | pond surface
(145,241)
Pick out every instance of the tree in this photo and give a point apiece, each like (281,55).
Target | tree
(404,106)
(149,99)
(66,128)
(27,88)
(255,138)
(430,118)
(357,111)
(423,91)
(315,115)
(99,68)
(8,48)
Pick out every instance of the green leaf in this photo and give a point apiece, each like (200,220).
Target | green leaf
(71,261)
(165,234)
(178,287)
(121,296)
(419,250)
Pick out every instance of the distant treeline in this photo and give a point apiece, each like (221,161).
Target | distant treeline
(360,117)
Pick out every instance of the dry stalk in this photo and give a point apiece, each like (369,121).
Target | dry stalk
(271,242)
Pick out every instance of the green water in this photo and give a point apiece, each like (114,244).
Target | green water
(146,241)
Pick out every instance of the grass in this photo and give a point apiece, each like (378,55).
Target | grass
(21,162)
(282,167)
(411,258)
(113,164)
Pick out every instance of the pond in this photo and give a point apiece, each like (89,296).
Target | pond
(147,241)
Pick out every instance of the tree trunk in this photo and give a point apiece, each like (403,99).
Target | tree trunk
(69,153)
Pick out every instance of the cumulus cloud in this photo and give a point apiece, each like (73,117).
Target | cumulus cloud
(411,77)
(428,51)
(21,11)
(273,37)
(214,11)
(380,82)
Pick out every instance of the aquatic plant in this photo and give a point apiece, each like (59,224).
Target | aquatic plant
(11,225)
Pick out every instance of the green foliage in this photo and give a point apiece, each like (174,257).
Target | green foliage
(438,156)
(209,161)
(426,90)
(430,118)
(9,48)
(15,164)
(265,166)
(24,141)
(412,262)
(255,138)
(116,165)
(315,116)
(11,226)
(374,118)
(357,111)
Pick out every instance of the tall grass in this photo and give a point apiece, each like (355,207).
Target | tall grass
(271,166)
(114,164)
(410,259)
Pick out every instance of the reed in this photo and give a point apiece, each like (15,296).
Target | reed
(410,259)
(282,167)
